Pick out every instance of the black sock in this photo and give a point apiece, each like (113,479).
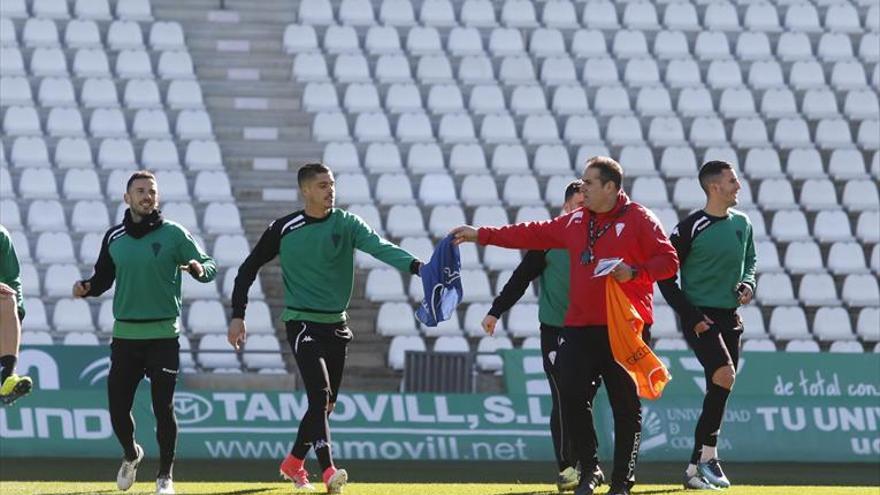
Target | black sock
(7,363)
(165,470)
(709,424)
(322,451)
(300,450)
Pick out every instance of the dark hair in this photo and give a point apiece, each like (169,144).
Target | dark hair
(710,171)
(140,174)
(572,188)
(609,169)
(309,170)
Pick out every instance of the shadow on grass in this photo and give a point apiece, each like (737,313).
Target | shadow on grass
(249,491)
(635,492)
(90,492)
(260,471)
(235,492)
(654,492)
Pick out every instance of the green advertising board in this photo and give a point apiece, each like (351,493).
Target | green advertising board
(786,407)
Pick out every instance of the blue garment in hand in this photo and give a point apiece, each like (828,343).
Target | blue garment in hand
(441,279)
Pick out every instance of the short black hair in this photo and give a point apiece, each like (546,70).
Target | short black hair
(572,188)
(309,170)
(710,171)
(609,169)
(140,174)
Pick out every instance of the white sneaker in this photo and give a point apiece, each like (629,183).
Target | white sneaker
(337,481)
(128,470)
(164,486)
(698,482)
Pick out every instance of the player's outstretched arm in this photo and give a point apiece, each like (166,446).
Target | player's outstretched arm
(369,241)
(548,234)
(464,233)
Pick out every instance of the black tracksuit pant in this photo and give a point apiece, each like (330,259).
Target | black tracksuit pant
(320,350)
(563,442)
(585,354)
(130,361)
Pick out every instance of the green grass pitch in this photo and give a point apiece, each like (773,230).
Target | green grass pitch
(232,488)
(260,477)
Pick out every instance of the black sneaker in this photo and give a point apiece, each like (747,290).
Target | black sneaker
(589,482)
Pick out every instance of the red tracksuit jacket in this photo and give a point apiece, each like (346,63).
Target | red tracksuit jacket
(636,236)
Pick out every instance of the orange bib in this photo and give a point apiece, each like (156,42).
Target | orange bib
(630,351)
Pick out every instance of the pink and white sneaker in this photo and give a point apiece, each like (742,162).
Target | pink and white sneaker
(335,479)
(291,469)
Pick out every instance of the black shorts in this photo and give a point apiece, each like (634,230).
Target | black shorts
(718,346)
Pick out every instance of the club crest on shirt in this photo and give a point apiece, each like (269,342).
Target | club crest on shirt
(618,228)
(739,235)
(156,248)
(336,238)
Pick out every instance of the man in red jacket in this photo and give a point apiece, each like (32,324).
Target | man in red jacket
(608,226)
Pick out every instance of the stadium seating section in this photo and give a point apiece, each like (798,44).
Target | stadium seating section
(435,113)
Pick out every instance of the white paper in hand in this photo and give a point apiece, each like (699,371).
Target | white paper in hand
(605,265)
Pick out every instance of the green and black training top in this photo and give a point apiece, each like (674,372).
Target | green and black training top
(716,255)
(144,260)
(552,266)
(317,263)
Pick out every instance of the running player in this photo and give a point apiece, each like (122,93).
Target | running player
(12,386)
(145,256)
(717,255)
(316,248)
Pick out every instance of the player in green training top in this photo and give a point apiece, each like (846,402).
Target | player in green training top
(145,255)
(316,248)
(717,256)
(12,386)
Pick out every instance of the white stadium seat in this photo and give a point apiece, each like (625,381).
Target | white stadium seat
(166,36)
(600,14)
(90,216)
(788,323)
(222,218)
(422,40)
(39,33)
(57,283)
(801,344)
(405,220)
(15,91)
(832,225)
(175,65)
(115,154)
(559,15)
(72,315)
(398,347)
(81,184)
(860,290)
(214,351)
(868,325)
